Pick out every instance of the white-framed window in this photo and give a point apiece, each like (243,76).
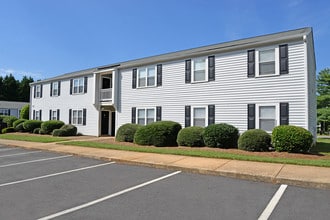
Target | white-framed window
(267,116)
(267,61)
(77,117)
(199,116)
(78,86)
(146,77)
(146,115)
(54,115)
(4,111)
(55,88)
(38,91)
(37,115)
(200,69)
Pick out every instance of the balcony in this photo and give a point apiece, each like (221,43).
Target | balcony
(106,95)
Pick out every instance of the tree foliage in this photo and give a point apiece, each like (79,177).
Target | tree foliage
(15,90)
(323,99)
(323,82)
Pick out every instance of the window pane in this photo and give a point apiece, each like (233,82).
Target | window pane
(199,70)
(267,124)
(199,117)
(267,55)
(80,117)
(150,116)
(267,112)
(74,117)
(141,116)
(267,68)
(199,122)
(142,77)
(151,77)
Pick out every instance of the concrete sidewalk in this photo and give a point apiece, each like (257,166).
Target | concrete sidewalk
(305,176)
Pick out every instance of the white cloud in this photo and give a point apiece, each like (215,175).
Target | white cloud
(18,74)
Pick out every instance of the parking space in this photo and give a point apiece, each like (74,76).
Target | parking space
(45,185)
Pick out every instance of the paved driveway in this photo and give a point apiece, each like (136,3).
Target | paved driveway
(43,185)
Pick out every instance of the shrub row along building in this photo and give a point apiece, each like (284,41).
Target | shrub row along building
(258,82)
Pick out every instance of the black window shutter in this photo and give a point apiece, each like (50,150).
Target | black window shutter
(134,73)
(70,115)
(59,88)
(85,84)
(84,116)
(133,115)
(159,74)
(187,116)
(251,63)
(58,114)
(284,59)
(34,91)
(8,111)
(40,114)
(41,91)
(284,113)
(251,116)
(34,114)
(211,65)
(71,84)
(51,89)
(188,71)
(158,113)
(50,114)
(211,114)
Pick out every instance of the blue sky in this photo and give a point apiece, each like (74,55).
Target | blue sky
(46,38)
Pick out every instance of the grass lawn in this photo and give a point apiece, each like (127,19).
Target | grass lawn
(31,138)
(200,152)
(322,146)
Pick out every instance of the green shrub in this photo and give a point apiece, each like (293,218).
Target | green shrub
(65,130)
(191,137)
(17,122)
(47,127)
(70,130)
(291,139)
(19,127)
(160,134)
(25,111)
(254,140)
(36,131)
(42,131)
(7,130)
(9,120)
(221,135)
(2,117)
(30,125)
(126,132)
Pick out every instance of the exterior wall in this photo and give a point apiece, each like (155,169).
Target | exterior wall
(14,107)
(65,101)
(231,91)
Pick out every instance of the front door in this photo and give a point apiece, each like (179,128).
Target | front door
(105,122)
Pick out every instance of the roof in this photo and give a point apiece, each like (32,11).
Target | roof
(286,36)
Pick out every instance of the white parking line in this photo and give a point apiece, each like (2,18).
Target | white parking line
(12,155)
(55,174)
(73,209)
(273,202)
(34,161)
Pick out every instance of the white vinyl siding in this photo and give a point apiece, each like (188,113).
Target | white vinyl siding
(230,92)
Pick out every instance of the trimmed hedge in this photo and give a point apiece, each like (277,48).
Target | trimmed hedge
(47,127)
(191,137)
(20,127)
(291,138)
(36,131)
(159,134)
(9,120)
(65,130)
(8,130)
(254,140)
(30,125)
(25,111)
(126,132)
(221,135)
(17,122)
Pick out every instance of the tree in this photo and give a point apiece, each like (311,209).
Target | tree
(2,97)
(10,85)
(25,112)
(323,99)
(24,89)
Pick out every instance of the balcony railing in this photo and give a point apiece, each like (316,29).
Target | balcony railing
(106,95)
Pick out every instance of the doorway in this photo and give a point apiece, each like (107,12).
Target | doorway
(105,122)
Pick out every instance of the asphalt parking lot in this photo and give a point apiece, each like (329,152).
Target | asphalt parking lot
(43,185)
